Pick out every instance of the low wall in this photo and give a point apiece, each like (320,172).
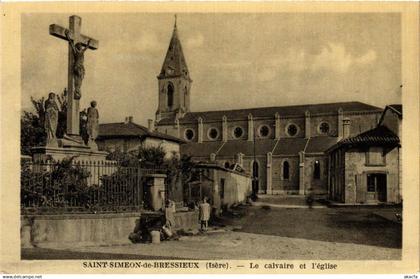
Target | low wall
(52,231)
(186,220)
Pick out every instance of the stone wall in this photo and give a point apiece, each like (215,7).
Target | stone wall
(360,123)
(332,121)
(262,172)
(120,144)
(72,230)
(281,185)
(319,186)
(356,166)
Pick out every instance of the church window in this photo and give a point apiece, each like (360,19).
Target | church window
(170,95)
(238,132)
(286,170)
(185,96)
(213,133)
(189,134)
(264,131)
(324,128)
(317,170)
(292,130)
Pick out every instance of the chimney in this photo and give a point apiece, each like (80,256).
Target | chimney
(239,159)
(150,125)
(346,127)
(126,120)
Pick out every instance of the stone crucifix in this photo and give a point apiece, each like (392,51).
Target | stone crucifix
(78,44)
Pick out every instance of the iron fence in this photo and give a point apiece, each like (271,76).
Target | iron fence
(82,186)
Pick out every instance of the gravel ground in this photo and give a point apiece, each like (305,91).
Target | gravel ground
(322,234)
(238,246)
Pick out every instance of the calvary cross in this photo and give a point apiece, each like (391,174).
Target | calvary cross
(73,106)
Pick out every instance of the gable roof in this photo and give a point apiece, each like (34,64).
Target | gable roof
(379,136)
(131,129)
(296,110)
(396,108)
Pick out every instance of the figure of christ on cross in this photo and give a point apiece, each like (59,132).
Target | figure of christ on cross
(78,44)
(78,67)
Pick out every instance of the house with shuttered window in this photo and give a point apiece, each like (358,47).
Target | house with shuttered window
(366,168)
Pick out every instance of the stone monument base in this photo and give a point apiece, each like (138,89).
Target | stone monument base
(59,153)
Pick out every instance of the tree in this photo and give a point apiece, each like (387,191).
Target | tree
(32,132)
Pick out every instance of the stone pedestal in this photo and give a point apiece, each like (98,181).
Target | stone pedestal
(156,184)
(67,149)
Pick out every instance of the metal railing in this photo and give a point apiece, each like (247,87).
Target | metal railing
(82,186)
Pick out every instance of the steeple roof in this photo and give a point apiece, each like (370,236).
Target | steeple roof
(174,64)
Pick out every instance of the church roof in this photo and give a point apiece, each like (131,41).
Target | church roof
(284,147)
(200,149)
(262,147)
(379,136)
(283,111)
(130,129)
(174,64)
(320,144)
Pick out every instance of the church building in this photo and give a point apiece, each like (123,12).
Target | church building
(283,148)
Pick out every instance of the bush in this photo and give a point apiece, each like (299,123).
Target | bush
(58,184)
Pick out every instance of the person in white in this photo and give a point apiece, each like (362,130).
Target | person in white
(204,214)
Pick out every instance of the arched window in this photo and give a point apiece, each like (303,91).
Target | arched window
(317,170)
(185,96)
(286,168)
(170,95)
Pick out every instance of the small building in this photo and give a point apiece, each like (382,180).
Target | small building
(223,186)
(366,168)
(128,136)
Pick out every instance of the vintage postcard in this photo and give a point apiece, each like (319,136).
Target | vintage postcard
(210,138)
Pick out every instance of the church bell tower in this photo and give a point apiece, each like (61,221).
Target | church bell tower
(174,82)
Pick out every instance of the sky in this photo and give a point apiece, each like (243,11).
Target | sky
(235,60)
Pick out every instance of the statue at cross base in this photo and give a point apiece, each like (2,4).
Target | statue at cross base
(92,124)
(78,51)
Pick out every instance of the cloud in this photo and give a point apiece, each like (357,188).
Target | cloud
(148,42)
(335,57)
(368,58)
(195,41)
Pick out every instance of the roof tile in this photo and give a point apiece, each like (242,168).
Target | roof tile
(297,110)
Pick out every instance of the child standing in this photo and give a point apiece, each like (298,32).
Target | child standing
(204,214)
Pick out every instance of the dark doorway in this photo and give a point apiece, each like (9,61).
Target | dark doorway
(381,187)
(255,180)
(376,182)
